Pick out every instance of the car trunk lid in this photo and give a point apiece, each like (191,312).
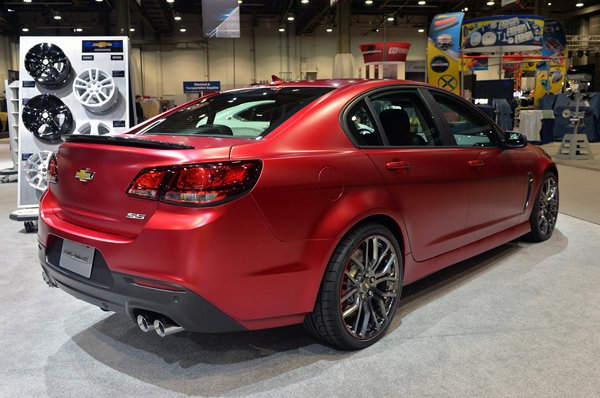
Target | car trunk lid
(95,173)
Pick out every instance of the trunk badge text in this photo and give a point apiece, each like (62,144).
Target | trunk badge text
(85,174)
(136,216)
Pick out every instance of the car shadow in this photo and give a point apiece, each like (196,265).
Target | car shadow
(217,364)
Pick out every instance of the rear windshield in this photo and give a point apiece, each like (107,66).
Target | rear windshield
(247,113)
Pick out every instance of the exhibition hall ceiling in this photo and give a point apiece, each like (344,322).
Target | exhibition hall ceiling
(157,18)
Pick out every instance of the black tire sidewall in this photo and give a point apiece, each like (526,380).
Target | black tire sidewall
(338,263)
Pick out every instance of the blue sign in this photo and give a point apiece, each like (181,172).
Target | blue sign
(201,87)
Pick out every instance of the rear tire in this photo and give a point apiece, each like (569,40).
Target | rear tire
(360,289)
(545,209)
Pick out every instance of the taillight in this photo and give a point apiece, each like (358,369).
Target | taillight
(204,184)
(52,173)
(147,184)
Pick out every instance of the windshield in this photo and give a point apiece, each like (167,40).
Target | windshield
(247,113)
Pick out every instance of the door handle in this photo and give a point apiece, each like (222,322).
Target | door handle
(398,165)
(477,165)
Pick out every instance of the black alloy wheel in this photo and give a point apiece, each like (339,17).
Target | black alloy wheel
(48,118)
(545,209)
(360,290)
(48,65)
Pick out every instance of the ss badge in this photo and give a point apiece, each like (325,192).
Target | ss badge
(135,216)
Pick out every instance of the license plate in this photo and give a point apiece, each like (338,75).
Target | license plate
(77,258)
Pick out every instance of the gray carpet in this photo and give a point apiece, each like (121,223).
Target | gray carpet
(519,321)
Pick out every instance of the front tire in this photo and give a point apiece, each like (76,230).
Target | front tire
(360,289)
(545,209)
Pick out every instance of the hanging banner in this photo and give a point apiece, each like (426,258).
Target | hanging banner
(387,52)
(503,34)
(551,80)
(443,47)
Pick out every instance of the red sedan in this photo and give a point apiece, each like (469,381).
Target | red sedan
(303,202)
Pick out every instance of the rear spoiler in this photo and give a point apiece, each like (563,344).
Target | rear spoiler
(125,141)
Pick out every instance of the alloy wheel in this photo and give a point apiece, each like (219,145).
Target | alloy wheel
(369,288)
(548,206)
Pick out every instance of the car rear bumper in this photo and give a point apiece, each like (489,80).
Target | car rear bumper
(126,294)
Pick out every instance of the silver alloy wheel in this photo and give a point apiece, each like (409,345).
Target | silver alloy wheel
(96,90)
(369,287)
(93,127)
(548,207)
(36,169)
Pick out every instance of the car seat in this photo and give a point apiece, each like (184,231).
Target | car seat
(396,124)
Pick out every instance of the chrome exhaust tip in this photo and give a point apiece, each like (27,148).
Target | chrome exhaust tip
(145,324)
(165,327)
(47,279)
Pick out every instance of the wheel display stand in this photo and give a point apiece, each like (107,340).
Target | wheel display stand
(576,146)
(12,105)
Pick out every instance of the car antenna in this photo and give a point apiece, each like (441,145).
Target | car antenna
(276,81)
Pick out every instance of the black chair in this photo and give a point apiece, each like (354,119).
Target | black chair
(396,124)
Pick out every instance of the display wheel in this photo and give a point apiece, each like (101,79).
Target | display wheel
(36,168)
(96,90)
(48,65)
(93,127)
(48,118)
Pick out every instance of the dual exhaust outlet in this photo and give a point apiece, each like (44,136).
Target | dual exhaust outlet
(163,326)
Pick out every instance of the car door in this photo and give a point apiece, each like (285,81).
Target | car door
(424,176)
(498,184)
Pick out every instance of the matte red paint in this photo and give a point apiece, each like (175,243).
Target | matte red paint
(260,259)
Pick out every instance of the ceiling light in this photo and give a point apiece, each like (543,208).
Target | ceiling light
(132,29)
(422,2)
(170,1)
(368,2)
(421,30)
(490,3)
(99,1)
(579,5)
(26,1)
(77,30)
(182,30)
(549,4)
(57,17)
(390,18)
(281,29)
(177,17)
(10,10)
(304,1)
(290,17)
(465,9)
(240,1)
(25,29)
(329,29)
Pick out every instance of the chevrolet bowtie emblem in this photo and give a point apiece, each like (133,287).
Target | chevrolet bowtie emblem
(85,175)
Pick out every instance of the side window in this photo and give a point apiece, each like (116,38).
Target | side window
(362,126)
(405,120)
(468,127)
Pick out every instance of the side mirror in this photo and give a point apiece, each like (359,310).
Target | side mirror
(515,140)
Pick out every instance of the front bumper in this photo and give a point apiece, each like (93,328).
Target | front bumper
(121,293)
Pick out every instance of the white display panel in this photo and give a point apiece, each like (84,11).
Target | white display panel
(69,85)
